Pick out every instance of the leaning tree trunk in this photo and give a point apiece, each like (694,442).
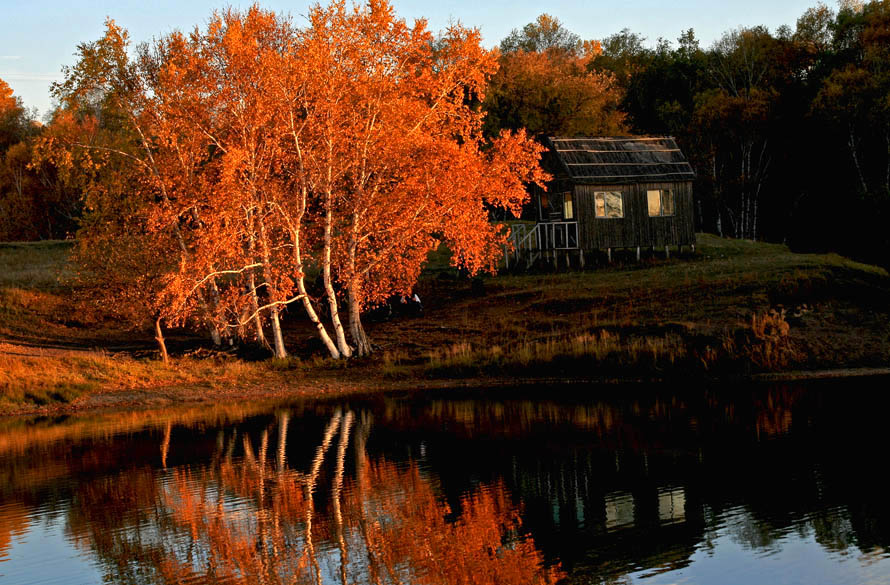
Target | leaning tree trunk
(162,345)
(257,318)
(852,144)
(295,226)
(307,303)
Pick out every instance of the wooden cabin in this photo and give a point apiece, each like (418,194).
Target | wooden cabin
(609,193)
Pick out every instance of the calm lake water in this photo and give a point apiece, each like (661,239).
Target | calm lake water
(768,484)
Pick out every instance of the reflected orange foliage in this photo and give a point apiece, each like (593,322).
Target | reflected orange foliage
(252,520)
(410,527)
(14,522)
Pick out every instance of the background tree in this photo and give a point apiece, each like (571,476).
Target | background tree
(15,124)
(545,84)
(540,36)
(624,54)
(33,205)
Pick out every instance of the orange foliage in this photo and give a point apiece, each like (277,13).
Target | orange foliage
(554,92)
(398,152)
(228,162)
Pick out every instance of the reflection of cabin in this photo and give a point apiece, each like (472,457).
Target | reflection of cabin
(607,193)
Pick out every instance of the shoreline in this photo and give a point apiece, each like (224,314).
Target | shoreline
(315,389)
(713,318)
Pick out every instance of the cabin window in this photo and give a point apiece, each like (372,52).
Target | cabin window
(661,202)
(567,211)
(609,204)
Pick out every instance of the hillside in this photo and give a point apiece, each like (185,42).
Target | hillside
(733,309)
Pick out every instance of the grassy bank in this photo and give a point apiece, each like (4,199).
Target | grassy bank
(734,308)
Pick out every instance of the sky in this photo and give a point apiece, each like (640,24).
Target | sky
(39,37)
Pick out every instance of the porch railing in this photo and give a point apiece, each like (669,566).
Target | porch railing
(558,235)
(530,241)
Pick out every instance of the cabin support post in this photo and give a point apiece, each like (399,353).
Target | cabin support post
(638,253)
(581,257)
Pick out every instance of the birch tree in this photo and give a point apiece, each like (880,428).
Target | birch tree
(400,162)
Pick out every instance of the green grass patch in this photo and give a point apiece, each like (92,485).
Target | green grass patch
(34,265)
(835,310)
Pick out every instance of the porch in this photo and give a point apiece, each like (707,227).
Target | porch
(550,240)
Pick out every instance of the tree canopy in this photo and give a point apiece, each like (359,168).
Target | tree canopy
(221,168)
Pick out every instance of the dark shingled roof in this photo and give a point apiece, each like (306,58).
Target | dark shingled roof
(621,159)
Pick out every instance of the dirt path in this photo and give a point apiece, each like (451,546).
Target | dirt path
(41,350)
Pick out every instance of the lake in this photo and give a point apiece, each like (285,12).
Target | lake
(725,484)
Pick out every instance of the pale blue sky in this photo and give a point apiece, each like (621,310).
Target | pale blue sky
(38,37)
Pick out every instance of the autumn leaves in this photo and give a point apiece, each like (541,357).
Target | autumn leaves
(229,170)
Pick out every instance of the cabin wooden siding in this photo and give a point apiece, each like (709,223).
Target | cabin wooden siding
(636,228)
(632,165)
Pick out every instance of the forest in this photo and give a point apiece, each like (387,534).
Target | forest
(211,179)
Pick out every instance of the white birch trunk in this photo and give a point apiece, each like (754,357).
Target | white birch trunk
(277,337)
(254,300)
(851,143)
(356,330)
(257,318)
(331,294)
(295,227)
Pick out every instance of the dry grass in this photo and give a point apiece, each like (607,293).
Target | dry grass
(64,376)
(51,346)
(735,307)
(38,304)
(589,355)
(715,303)
(772,349)
(396,364)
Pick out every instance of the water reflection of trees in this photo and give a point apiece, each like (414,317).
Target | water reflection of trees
(435,493)
(251,518)
(596,477)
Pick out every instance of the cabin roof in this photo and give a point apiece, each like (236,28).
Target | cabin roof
(621,159)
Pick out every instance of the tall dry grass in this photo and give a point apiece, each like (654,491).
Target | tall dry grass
(63,377)
(771,347)
(587,355)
